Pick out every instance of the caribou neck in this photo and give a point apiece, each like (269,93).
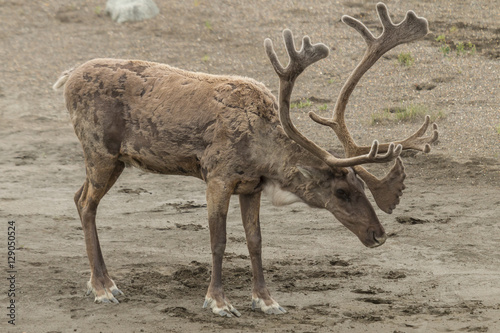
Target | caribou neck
(284,173)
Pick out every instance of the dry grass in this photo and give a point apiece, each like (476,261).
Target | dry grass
(406,59)
(405,113)
(300,104)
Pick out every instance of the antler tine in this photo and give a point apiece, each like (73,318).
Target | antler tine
(298,60)
(359,27)
(388,190)
(268,44)
(393,151)
(415,141)
(418,142)
(410,29)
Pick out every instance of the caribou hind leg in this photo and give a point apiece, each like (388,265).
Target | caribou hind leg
(99,180)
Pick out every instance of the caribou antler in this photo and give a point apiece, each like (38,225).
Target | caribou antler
(386,191)
(410,29)
(298,61)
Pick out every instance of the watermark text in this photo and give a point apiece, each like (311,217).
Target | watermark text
(11,272)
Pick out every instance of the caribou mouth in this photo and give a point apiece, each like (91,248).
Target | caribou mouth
(373,240)
(379,240)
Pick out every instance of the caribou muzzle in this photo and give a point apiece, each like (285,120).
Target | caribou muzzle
(374,238)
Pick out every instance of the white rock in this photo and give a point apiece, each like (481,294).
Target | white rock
(131,10)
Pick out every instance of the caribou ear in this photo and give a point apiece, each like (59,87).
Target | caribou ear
(311,172)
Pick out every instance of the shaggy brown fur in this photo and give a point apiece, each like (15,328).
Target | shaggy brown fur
(222,129)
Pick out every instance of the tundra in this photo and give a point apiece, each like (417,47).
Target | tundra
(232,133)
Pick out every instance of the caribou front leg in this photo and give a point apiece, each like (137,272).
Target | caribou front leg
(218,196)
(261,298)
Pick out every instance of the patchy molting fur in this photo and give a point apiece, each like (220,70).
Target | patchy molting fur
(222,129)
(169,121)
(166,120)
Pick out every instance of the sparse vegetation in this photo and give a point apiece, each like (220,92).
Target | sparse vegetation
(98,10)
(301,104)
(304,103)
(205,58)
(406,59)
(323,107)
(465,48)
(444,48)
(498,128)
(472,48)
(405,113)
(441,39)
(461,48)
(208,25)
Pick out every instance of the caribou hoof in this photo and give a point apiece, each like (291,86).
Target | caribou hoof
(226,311)
(105,295)
(273,308)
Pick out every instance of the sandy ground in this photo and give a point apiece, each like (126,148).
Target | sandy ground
(438,272)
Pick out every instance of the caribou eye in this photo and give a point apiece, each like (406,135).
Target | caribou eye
(341,194)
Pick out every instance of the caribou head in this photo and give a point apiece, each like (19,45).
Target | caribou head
(337,181)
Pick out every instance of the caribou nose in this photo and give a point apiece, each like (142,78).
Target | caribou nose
(379,240)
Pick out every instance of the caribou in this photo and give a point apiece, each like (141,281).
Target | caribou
(232,133)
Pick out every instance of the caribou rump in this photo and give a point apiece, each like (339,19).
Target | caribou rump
(235,135)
